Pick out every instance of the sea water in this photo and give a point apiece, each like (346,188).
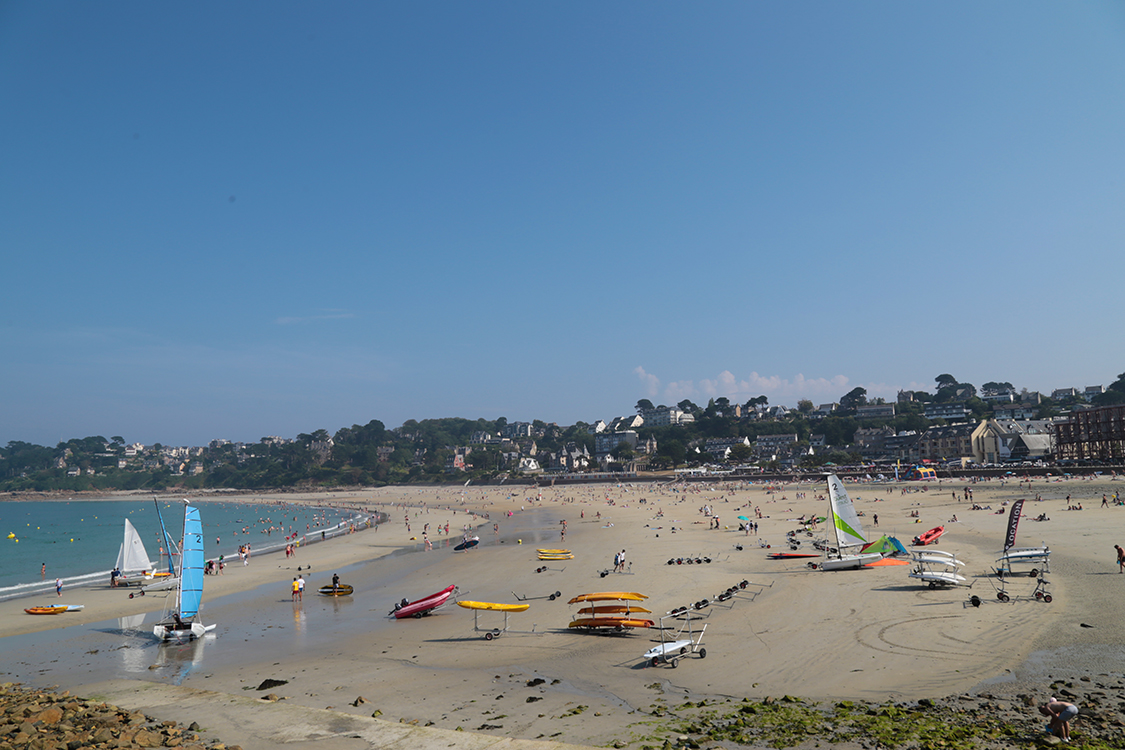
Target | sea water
(78,541)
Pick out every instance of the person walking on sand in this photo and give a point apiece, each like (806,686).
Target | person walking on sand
(1060,713)
(296,587)
(58,586)
(875,519)
(1120,558)
(300,588)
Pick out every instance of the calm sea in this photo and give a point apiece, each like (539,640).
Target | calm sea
(79,541)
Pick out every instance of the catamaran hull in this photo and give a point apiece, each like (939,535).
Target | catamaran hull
(937,578)
(171,633)
(848,562)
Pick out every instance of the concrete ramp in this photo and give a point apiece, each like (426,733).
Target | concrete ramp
(261,725)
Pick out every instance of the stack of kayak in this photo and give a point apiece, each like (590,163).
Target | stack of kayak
(619,611)
(555,554)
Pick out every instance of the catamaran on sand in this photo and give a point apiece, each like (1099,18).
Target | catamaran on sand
(181,619)
(845,531)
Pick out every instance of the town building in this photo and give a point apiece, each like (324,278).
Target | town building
(951,411)
(946,443)
(605,442)
(1092,434)
(663,416)
(875,411)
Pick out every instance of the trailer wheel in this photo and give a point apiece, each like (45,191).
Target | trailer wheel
(488,636)
(1003,597)
(551,597)
(1038,594)
(812,566)
(602,574)
(656,661)
(619,629)
(558,594)
(933,584)
(808,533)
(1047,598)
(674,662)
(974,600)
(702,653)
(683,650)
(1034,573)
(130,595)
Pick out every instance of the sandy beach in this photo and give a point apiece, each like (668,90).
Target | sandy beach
(872,634)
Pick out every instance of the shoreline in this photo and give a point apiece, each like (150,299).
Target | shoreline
(44,587)
(854,635)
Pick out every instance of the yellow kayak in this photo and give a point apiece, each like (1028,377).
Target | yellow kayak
(553,551)
(494,606)
(556,557)
(609,596)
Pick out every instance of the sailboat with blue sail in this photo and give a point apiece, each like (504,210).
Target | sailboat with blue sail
(181,620)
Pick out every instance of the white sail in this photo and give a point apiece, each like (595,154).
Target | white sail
(132,558)
(848,531)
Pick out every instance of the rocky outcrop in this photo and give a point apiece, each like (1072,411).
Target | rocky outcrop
(34,719)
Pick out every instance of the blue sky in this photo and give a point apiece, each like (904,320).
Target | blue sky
(246,219)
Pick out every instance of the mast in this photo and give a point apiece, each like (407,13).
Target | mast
(180,587)
(167,541)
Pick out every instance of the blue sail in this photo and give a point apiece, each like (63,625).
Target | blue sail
(191,564)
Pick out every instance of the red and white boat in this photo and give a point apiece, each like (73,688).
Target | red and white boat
(423,606)
(930,537)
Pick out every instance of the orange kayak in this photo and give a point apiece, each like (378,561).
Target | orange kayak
(45,610)
(619,623)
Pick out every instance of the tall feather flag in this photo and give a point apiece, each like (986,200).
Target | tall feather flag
(1013,522)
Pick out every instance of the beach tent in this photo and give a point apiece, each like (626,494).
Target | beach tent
(886,545)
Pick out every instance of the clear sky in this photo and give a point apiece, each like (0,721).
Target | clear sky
(239,219)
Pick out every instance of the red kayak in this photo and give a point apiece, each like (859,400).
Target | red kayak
(930,537)
(423,606)
(790,555)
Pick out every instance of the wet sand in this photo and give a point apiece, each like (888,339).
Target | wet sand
(870,634)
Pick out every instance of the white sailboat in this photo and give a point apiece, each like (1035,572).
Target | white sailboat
(181,620)
(846,531)
(132,558)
